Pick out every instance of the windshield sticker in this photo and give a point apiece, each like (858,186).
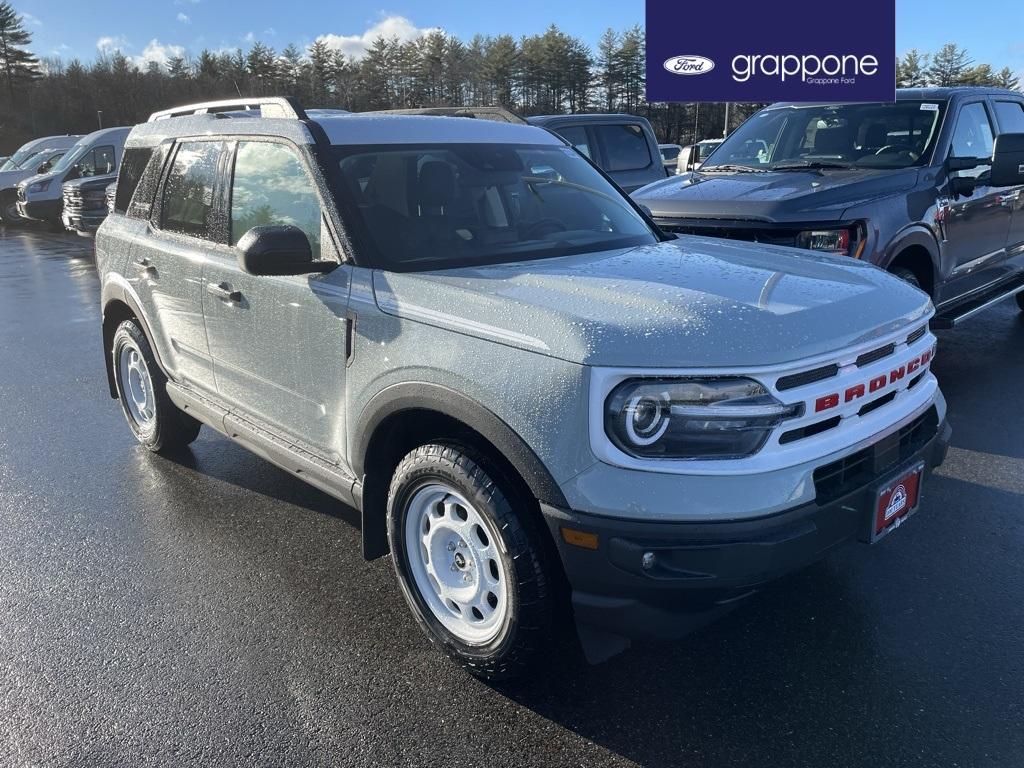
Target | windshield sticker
(929,107)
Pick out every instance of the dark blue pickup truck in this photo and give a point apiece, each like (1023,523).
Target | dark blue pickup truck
(928,187)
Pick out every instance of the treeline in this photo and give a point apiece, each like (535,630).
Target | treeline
(950,65)
(545,73)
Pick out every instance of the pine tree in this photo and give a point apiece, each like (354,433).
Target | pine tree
(948,66)
(1006,79)
(910,70)
(16,63)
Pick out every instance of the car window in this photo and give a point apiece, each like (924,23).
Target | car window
(577,136)
(439,205)
(133,164)
(97,162)
(271,186)
(625,147)
(1010,115)
(188,192)
(972,137)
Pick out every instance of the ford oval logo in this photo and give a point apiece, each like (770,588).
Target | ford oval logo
(689,65)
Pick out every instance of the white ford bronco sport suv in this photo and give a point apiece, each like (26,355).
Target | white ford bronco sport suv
(541,404)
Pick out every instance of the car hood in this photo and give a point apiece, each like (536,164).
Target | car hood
(92,182)
(772,195)
(10,179)
(692,302)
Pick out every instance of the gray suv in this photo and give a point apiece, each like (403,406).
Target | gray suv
(542,406)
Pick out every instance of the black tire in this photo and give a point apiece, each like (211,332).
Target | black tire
(1020,300)
(169,429)
(907,276)
(9,212)
(527,626)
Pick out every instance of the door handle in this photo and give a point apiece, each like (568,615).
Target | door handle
(145,265)
(223,292)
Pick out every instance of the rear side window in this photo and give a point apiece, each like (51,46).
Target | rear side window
(1010,115)
(271,186)
(188,199)
(625,147)
(577,136)
(133,164)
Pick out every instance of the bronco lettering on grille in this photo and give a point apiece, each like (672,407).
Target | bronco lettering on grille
(857,391)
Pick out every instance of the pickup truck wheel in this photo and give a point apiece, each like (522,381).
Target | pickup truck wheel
(9,212)
(142,390)
(906,275)
(1020,300)
(469,560)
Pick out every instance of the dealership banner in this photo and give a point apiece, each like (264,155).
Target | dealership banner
(794,50)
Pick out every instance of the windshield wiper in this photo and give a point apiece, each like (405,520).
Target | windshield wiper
(728,168)
(813,165)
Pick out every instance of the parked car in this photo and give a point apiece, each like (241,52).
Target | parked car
(38,162)
(538,401)
(693,155)
(85,203)
(928,187)
(623,146)
(25,151)
(40,197)
(670,156)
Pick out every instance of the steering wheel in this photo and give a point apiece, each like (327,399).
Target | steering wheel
(542,227)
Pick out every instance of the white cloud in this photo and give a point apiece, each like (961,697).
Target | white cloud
(269,31)
(388,27)
(31,20)
(250,37)
(184,18)
(159,52)
(109,44)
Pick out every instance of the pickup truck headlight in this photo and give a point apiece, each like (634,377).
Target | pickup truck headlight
(840,241)
(693,418)
(39,186)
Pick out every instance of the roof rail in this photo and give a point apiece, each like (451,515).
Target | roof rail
(497,114)
(269,106)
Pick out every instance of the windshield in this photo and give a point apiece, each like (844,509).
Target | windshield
(453,205)
(670,153)
(894,135)
(71,157)
(705,148)
(19,158)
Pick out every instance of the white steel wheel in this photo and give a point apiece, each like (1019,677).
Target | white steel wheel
(137,385)
(455,561)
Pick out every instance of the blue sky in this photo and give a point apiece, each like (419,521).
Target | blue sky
(992,30)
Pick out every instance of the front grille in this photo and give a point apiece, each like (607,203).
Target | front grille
(21,194)
(810,430)
(78,203)
(874,355)
(917,334)
(807,377)
(835,480)
(750,233)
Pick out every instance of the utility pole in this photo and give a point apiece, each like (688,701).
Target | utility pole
(99,118)
(696,120)
(725,128)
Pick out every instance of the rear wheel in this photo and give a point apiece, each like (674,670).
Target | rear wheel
(153,418)
(1020,300)
(469,559)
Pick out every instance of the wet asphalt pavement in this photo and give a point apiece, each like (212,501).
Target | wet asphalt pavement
(215,611)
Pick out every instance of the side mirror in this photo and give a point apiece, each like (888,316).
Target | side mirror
(279,250)
(1008,161)
(686,158)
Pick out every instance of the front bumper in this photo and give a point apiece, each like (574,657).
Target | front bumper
(83,222)
(42,210)
(700,569)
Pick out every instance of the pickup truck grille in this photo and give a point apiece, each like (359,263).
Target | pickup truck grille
(77,202)
(835,480)
(731,231)
(21,194)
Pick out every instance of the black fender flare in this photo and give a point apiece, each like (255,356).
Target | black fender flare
(421,395)
(116,295)
(915,236)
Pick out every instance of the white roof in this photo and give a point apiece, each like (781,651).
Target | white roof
(429,129)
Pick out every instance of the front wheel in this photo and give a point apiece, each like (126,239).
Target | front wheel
(907,276)
(469,559)
(1020,300)
(154,419)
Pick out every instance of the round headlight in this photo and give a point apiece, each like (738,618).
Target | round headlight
(646,418)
